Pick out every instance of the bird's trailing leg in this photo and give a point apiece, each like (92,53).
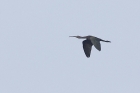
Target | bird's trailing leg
(105,40)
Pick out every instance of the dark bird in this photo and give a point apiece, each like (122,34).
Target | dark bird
(90,40)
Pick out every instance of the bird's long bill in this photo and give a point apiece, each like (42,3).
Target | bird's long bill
(72,36)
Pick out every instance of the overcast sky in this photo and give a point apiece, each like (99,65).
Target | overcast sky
(38,56)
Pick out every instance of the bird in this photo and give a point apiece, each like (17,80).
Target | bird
(90,40)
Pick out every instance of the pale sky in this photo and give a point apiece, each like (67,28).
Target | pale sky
(38,56)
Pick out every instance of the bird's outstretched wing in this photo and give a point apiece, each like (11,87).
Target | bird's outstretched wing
(87,46)
(97,45)
(96,42)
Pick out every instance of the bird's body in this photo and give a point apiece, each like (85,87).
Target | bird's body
(90,40)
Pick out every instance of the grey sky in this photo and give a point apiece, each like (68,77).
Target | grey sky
(37,55)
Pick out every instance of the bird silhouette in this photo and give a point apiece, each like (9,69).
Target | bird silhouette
(90,40)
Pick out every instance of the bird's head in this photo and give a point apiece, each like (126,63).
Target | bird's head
(76,36)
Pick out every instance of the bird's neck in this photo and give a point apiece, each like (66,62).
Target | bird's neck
(82,37)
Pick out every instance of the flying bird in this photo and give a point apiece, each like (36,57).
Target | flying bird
(90,40)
